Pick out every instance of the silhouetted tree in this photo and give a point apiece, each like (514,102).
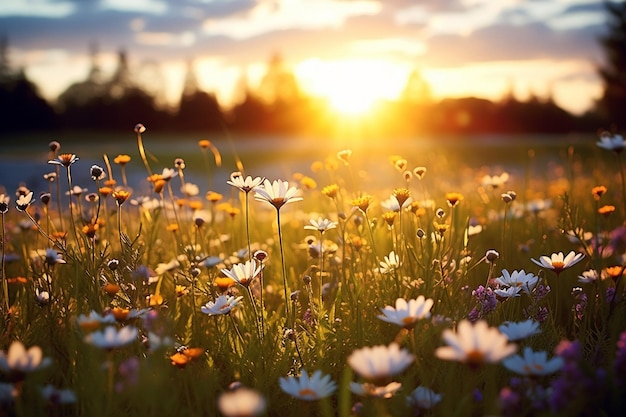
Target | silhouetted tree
(198,110)
(109,104)
(22,108)
(612,104)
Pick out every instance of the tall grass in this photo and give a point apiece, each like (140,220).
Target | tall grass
(154,261)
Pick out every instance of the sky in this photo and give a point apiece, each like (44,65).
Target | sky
(480,48)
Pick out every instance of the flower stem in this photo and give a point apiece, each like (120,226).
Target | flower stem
(282,261)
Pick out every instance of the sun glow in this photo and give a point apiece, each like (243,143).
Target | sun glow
(352,87)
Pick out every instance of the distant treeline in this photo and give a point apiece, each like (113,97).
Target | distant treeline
(23,109)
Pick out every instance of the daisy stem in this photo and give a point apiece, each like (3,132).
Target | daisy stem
(142,152)
(282,261)
(622,176)
(256,314)
(72,223)
(234,323)
(321,270)
(5,286)
(261,302)
(248,228)
(58,186)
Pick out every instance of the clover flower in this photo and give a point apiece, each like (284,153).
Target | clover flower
(558,262)
(532,363)
(378,363)
(407,313)
(222,305)
(307,388)
(475,344)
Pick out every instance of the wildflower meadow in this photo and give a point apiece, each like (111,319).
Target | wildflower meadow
(403,287)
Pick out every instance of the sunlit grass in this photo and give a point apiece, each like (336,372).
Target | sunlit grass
(400,279)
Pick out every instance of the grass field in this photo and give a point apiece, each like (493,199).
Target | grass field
(433,276)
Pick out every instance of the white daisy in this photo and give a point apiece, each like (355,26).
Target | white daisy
(424,398)
(277,193)
(407,313)
(111,337)
(519,330)
(20,360)
(222,305)
(308,388)
(380,362)
(533,363)
(475,344)
(559,262)
(241,402)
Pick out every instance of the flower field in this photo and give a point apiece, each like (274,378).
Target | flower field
(408,287)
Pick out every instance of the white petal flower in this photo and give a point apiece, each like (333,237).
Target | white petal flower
(246,185)
(241,402)
(519,330)
(390,263)
(277,193)
(475,344)
(559,262)
(518,279)
(423,398)
(407,313)
(611,142)
(380,362)
(111,337)
(222,305)
(371,390)
(321,225)
(533,363)
(244,273)
(18,359)
(308,388)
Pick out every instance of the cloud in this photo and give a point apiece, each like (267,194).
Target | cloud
(509,43)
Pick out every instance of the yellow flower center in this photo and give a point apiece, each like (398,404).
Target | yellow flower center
(307,392)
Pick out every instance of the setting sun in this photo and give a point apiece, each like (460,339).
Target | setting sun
(352,86)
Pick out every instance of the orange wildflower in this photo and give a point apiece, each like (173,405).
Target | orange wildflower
(598,192)
(401,195)
(331,190)
(453,198)
(606,210)
(121,196)
(122,159)
(363,202)
(224,283)
(389,217)
(111,289)
(213,196)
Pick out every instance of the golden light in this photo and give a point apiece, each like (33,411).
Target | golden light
(352,87)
